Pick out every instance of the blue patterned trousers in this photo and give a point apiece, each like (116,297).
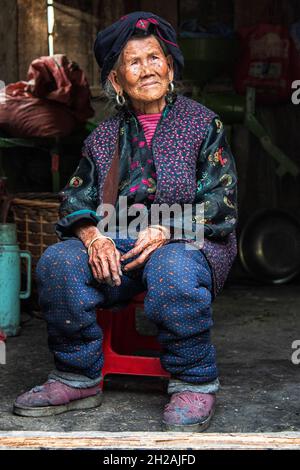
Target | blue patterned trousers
(178,282)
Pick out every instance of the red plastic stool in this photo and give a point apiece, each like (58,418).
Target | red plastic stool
(121,340)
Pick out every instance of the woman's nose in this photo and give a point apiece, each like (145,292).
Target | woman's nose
(146,69)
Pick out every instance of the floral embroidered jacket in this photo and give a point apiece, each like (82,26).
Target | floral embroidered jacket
(190,162)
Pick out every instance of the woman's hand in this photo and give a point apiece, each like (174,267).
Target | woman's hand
(104,258)
(148,241)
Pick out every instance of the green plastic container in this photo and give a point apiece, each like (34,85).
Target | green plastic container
(10,279)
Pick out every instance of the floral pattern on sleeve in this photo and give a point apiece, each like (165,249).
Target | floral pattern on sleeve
(217,183)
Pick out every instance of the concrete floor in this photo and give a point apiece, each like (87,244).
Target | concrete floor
(253,333)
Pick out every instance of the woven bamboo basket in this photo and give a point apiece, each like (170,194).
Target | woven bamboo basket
(35,215)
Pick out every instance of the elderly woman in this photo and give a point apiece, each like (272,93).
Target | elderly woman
(160,148)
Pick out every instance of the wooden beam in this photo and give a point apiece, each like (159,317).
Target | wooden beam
(148,440)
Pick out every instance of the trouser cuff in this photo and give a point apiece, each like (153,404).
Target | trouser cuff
(74,380)
(176,385)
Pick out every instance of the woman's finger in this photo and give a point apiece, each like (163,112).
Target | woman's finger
(103,259)
(146,238)
(118,255)
(114,268)
(138,262)
(96,266)
(138,248)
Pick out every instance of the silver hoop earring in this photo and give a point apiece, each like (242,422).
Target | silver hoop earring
(171,87)
(120,99)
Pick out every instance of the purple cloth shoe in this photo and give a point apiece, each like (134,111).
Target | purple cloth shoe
(54,397)
(189,411)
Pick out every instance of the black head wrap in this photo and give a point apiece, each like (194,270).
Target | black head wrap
(110,42)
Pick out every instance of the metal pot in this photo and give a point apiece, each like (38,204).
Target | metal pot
(269,246)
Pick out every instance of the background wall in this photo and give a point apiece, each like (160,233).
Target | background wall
(24,36)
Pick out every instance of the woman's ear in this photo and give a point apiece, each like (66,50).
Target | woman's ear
(113,78)
(170,67)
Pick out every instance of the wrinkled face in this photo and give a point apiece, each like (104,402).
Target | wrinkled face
(144,71)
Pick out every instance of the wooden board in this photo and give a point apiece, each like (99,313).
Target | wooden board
(259,186)
(265,11)
(74,31)
(148,440)
(32,33)
(8,42)
(167,10)
(77,23)
(207,12)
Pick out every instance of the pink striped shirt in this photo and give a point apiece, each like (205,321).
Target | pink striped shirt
(149,123)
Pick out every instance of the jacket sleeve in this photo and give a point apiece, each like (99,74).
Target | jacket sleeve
(79,198)
(216,188)
(217,183)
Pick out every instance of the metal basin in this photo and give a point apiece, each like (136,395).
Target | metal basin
(269,246)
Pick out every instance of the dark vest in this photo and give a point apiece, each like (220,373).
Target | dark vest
(175,148)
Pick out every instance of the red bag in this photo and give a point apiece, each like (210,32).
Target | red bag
(57,79)
(22,115)
(2,336)
(53,103)
(265,63)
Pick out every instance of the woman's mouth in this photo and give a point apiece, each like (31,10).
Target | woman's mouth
(149,84)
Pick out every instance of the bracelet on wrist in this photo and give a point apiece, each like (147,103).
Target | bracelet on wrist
(99,237)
